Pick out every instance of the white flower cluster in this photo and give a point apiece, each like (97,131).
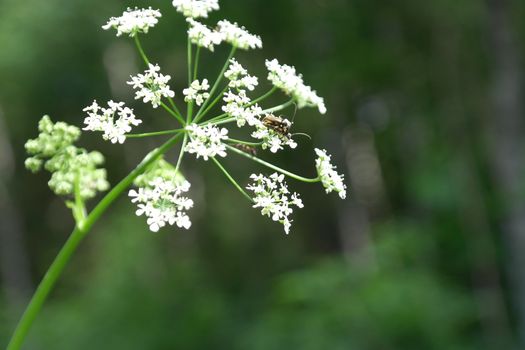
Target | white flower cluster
(332,181)
(274,198)
(239,77)
(195,8)
(286,78)
(162,202)
(236,106)
(206,141)
(238,36)
(197,92)
(104,119)
(273,139)
(151,86)
(200,35)
(134,21)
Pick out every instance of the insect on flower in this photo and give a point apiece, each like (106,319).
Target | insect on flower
(278,124)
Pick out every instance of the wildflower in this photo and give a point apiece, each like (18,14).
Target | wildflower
(197,92)
(238,36)
(203,36)
(286,78)
(162,202)
(236,106)
(133,21)
(274,198)
(206,141)
(73,169)
(273,139)
(104,119)
(151,86)
(239,77)
(195,8)
(332,181)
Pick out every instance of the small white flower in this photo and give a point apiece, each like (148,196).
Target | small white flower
(236,106)
(206,141)
(273,139)
(197,92)
(286,78)
(332,181)
(162,203)
(105,120)
(238,36)
(151,86)
(239,77)
(195,8)
(274,198)
(133,21)
(203,36)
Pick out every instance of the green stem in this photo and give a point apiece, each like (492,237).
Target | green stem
(232,180)
(244,142)
(279,107)
(172,103)
(80,208)
(182,150)
(196,64)
(189,110)
(61,260)
(141,51)
(189,61)
(155,133)
(271,166)
(217,82)
(268,94)
(173,113)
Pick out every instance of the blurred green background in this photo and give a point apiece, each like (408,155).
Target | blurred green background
(425,118)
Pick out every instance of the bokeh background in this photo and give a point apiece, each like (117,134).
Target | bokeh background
(425,118)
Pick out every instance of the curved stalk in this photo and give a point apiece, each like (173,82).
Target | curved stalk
(155,133)
(196,64)
(248,143)
(140,49)
(262,97)
(172,113)
(61,260)
(232,180)
(271,166)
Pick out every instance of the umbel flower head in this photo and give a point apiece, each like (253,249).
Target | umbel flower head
(151,86)
(104,119)
(332,181)
(197,92)
(200,35)
(206,141)
(238,36)
(237,106)
(274,198)
(133,21)
(195,8)
(286,78)
(74,171)
(239,77)
(162,202)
